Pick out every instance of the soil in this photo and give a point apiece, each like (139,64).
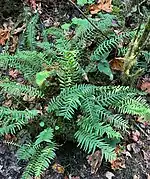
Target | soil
(69,155)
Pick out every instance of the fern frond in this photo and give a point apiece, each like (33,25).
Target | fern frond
(133,106)
(17,89)
(86,33)
(89,142)
(31,32)
(44,159)
(106,47)
(27,62)
(69,73)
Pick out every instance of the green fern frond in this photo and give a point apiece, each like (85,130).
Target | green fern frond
(106,47)
(39,156)
(27,62)
(17,89)
(118,122)
(14,119)
(44,159)
(86,33)
(69,73)
(89,142)
(31,32)
(133,106)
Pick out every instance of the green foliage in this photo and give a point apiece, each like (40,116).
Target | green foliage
(95,112)
(14,120)
(31,32)
(27,62)
(16,89)
(39,156)
(97,121)
(83,2)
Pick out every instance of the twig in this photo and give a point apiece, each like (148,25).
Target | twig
(141,130)
(87,18)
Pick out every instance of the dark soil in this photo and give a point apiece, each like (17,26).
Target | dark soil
(75,163)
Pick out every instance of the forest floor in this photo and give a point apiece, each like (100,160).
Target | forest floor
(134,161)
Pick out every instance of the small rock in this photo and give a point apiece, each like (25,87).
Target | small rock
(109,175)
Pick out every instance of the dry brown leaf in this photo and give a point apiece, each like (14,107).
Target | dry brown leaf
(95,161)
(145,86)
(118,163)
(58,168)
(14,43)
(117,63)
(104,5)
(4,35)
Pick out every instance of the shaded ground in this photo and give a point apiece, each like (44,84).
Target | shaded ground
(137,162)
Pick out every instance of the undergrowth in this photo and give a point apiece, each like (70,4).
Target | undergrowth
(57,77)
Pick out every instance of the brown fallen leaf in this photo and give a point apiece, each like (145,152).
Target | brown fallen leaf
(118,163)
(145,86)
(19,29)
(4,35)
(104,5)
(117,63)
(95,161)
(58,168)
(14,43)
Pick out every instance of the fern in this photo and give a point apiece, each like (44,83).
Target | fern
(97,120)
(17,89)
(27,62)
(86,33)
(69,73)
(31,32)
(14,120)
(103,50)
(39,156)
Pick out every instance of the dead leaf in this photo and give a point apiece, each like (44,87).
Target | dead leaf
(77,177)
(109,175)
(32,3)
(118,163)
(10,137)
(117,63)
(146,155)
(14,73)
(8,103)
(145,86)
(133,146)
(4,35)
(135,135)
(58,168)
(104,5)
(95,161)
(14,43)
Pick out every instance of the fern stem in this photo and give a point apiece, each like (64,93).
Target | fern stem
(135,47)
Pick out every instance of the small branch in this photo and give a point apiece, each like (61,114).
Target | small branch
(87,18)
(141,130)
